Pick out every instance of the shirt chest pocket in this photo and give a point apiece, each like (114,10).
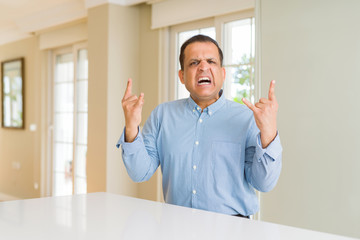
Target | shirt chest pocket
(226,160)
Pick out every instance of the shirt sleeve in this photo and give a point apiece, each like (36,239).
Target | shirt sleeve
(262,165)
(140,156)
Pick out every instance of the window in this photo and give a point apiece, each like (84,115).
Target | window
(239,53)
(69,119)
(236,36)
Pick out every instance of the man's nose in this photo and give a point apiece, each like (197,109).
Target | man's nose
(203,65)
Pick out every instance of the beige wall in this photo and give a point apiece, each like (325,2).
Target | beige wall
(124,58)
(149,84)
(23,146)
(98,74)
(312,49)
(121,45)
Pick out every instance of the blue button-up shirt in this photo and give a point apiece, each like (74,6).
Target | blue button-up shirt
(210,159)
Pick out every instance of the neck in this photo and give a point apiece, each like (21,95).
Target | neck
(205,103)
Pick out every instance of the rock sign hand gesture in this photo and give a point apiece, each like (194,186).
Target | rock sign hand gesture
(265,112)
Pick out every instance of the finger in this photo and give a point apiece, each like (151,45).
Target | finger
(128,89)
(263,100)
(132,98)
(248,104)
(272,90)
(140,101)
(260,105)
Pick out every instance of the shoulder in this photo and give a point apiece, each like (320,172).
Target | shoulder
(170,106)
(237,108)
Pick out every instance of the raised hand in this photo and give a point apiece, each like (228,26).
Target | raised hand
(265,112)
(132,106)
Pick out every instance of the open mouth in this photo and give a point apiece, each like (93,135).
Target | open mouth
(204,81)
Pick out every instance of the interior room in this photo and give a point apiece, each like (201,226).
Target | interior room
(75,56)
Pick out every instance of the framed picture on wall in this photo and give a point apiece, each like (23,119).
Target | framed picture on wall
(12,92)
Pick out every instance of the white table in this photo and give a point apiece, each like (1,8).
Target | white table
(109,216)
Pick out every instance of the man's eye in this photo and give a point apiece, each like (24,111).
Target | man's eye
(211,62)
(194,63)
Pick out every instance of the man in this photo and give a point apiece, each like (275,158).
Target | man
(213,152)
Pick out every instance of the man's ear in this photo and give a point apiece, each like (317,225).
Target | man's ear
(181,76)
(224,73)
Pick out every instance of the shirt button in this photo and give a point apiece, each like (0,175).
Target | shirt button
(193,110)
(198,109)
(194,191)
(197,142)
(194,167)
(200,120)
(210,113)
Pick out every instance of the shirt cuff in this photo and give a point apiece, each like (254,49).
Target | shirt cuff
(273,150)
(130,147)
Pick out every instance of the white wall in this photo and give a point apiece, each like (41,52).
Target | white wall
(312,49)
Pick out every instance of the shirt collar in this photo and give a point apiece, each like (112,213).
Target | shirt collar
(210,109)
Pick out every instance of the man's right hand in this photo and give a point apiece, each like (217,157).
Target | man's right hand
(132,106)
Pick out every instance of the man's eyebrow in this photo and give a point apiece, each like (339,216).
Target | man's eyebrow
(198,59)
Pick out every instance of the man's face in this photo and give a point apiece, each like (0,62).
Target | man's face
(203,75)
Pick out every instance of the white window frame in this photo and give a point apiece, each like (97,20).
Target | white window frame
(74,49)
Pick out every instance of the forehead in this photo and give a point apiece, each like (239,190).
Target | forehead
(201,50)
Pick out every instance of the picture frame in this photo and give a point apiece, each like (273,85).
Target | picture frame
(12,94)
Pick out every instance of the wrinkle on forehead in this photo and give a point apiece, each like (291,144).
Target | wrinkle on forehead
(202,50)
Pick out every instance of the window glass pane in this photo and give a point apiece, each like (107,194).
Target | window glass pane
(63,155)
(240,82)
(82,65)
(238,40)
(253,37)
(82,126)
(64,69)
(63,126)
(80,163)
(183,36)
(6,85)
(82,96)
(239,49)
(208,32)
(64,97)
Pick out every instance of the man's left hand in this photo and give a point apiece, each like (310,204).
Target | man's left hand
(265,112)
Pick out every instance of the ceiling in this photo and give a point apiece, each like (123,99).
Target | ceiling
(23,18)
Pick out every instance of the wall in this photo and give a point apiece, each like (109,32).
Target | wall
(23,146)
(113,47)
(149,84)
(98,74)
(312,49)
(124,58)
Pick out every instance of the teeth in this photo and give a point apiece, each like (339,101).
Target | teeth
(204,81)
